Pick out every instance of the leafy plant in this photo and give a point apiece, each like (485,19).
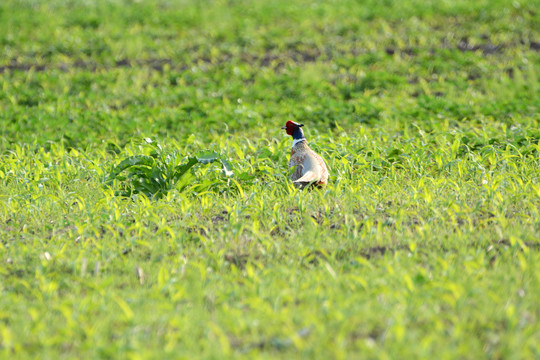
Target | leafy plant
(156,174)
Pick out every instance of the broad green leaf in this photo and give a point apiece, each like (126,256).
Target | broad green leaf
(207,156)
(136,160)
(227,167)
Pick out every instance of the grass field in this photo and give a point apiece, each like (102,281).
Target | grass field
(425,244)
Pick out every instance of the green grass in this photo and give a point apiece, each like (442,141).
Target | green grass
(424,245)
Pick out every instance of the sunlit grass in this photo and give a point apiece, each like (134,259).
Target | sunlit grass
(423,245)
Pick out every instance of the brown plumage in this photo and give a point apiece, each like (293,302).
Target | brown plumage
(310,167)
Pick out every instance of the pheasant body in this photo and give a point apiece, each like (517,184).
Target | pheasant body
(310,167)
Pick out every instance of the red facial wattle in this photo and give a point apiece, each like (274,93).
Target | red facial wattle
(290,127)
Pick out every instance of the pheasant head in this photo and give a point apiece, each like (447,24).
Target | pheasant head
(295,130)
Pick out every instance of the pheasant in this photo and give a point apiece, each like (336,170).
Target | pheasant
(310,167)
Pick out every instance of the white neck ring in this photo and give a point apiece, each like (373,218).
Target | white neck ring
(296,141)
